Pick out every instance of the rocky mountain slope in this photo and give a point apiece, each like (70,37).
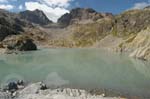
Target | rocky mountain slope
(10,24)
(139,46)
(89,27)
(126,32)
(82,27)
(15,24)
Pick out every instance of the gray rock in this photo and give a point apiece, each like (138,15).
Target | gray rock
(20,43)
(5,95)
(30,89)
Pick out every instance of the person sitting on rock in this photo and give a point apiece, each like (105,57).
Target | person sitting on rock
(12,87)
(43,86)
(20,82)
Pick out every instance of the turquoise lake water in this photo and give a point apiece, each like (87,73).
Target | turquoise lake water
(83,68)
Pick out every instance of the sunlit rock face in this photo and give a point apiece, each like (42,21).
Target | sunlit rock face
(141,44)
(131,22)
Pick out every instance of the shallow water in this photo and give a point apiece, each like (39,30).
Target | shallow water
(83,68)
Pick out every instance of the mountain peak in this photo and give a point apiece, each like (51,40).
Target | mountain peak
(37,17)
(89,10)
(81,14)
(148,7)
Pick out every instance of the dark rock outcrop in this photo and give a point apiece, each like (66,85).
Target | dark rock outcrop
(5,31)
(21,43)
(147,8)
(8,24)
(36,17)
(25,45)
(14,24)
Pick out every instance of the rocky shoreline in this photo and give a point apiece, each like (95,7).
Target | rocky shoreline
(40,91)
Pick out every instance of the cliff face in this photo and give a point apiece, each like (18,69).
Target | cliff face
(138,46)
(10,24)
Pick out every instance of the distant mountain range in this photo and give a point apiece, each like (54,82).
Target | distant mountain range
(83,27)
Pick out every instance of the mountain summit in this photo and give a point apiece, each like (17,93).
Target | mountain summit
(36,17)
(148,7)
(81,15)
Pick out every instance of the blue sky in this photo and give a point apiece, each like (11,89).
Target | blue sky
(114,6)
(55,8)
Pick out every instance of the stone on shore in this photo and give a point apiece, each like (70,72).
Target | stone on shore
(20,43)
(5,95)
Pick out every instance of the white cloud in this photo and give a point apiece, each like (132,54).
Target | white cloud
(6,6)
(52,8)
(20,7)
(141,5)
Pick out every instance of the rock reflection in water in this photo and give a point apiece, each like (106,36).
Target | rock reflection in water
(141,67)
(55,80)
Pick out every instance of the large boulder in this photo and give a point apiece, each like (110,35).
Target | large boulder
(25,45)
(20,43)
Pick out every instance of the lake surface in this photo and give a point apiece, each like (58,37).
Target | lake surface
(83,68)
